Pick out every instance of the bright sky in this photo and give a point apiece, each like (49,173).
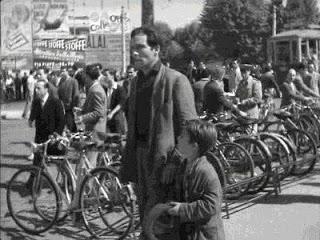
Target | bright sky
(177,13)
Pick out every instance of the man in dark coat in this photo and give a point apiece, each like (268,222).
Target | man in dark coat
(214,100)
(47,112)
(198,90)
(68,91)
(160,101)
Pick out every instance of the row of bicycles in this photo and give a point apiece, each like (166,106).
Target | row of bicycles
(66,184)
(252,153)
(248,154)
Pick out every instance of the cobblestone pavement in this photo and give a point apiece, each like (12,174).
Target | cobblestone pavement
(293,215)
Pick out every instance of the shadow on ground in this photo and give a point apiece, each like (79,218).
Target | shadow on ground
(14,156)
(290,198)
(18,166)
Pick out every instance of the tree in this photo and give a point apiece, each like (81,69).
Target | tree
(235,26)
(147,15)
(300,13)
(165,35)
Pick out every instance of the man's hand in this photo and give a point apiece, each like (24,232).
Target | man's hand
(243,114)
(168,173)
(109,116)
(30,123)
(174,211)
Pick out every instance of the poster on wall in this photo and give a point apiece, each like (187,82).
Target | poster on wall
(16,37)
(50,19)
(107,50)
(108,22)
(57,53)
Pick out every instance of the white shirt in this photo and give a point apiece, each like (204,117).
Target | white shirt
(44,99)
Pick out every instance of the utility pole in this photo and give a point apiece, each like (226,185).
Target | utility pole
(275,5)
(123,40)
(147,12)
(274,19)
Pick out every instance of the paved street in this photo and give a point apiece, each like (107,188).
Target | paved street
(293,215)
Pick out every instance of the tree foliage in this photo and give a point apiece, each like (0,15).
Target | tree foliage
(237,27)
(165,34)
(300,13)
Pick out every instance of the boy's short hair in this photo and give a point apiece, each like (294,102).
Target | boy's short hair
(203,133)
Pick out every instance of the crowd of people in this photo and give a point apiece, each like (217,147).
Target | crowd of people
(157,108)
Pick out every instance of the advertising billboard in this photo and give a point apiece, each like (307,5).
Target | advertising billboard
(56,53)
(50,19)
(108,22)
(16,37)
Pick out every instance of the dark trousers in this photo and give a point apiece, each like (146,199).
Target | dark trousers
(18,91)
(118,124)
(24,90)
(69,118)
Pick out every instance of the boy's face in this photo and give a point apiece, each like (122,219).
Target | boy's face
(185,146)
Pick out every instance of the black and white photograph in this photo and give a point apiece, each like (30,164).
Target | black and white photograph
(160,119)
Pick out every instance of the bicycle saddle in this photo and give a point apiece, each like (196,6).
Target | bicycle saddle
(282,114)
(226,125)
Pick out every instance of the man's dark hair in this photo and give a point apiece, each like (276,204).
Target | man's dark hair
(32,71)
(92,71)
(130,67)
(45,83)
(98,65)
(152,38)
(301,66)
(204,74)
(267,68)
(80,76)
(63,68)
(78,65)
(203,133)
(46,70)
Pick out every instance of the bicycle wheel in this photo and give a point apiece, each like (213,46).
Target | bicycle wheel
(238,166)
(261,156)
(33,206)
(279,151)
(217,165)
(292,151)
(306,151)
(105,202)
(310,125)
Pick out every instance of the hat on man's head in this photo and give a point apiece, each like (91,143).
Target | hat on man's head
(218,72)
(245,67)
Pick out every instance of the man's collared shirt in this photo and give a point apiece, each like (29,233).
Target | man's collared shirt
(44,99)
